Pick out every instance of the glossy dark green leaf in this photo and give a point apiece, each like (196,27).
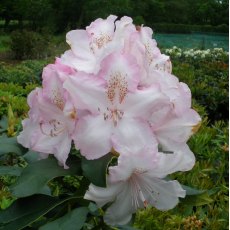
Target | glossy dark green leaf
(95,170)
(73,220)
(25,211)
(35,176)
(10,144)
(10,170)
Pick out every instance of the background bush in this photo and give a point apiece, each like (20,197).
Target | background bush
(29,45)
(26,72)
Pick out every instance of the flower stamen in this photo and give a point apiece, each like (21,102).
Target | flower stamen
(52,128)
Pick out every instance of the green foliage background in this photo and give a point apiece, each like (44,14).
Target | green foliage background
(58,16)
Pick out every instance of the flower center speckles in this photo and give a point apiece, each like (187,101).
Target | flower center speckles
(99,41)
(117,87)
(52,128)
(148,53)
(57,99)
(113,114)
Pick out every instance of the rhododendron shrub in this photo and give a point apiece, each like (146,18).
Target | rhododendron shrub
(113,96)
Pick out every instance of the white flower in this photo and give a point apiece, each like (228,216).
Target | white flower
(136,182)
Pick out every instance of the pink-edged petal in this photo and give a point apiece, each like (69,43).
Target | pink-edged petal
(101,26)
(34,137)
(163,195)
(85,63)
(65,69)
(143,102)
(93,136)
(178,129)
(121,67)
(53,86)
(132,133)
(87,92)
(130,161)
(184,99)
(178,92)
(27,136)
(124,28)
(102,30)
(32,100)
(79,43)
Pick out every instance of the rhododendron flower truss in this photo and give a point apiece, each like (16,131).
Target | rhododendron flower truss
(119,111)
(105,36)
(52,116)
(136,182)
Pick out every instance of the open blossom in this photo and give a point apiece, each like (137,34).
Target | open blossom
(105,36)
(52,116)
(136,182)
(118,110)
(89,47)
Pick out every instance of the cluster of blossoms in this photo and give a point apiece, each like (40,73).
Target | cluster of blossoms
(212,54)
(113,91)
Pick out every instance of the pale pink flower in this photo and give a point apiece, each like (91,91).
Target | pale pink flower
(144,48)
(136,182)
(119,111)
(89,47)
(52,116)
(178,93)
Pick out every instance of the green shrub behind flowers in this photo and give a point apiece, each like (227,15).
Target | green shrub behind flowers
(206,73)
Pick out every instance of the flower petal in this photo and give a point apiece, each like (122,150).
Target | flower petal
(133,134)
(92,136)
(162,194)
(103,196)
(143,102)
(177,128)
(167,163)
(124,65)
(130,161)
(85,63)
(120,212)
(186,158)
(32,137)
(87,92)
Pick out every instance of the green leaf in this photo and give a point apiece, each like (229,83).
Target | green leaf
(25,211)
(35,176)
(197,200)
(74,220)
(3,124)
(10,170)
(31,156)
(192,191)
(95,170)
(10,145)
